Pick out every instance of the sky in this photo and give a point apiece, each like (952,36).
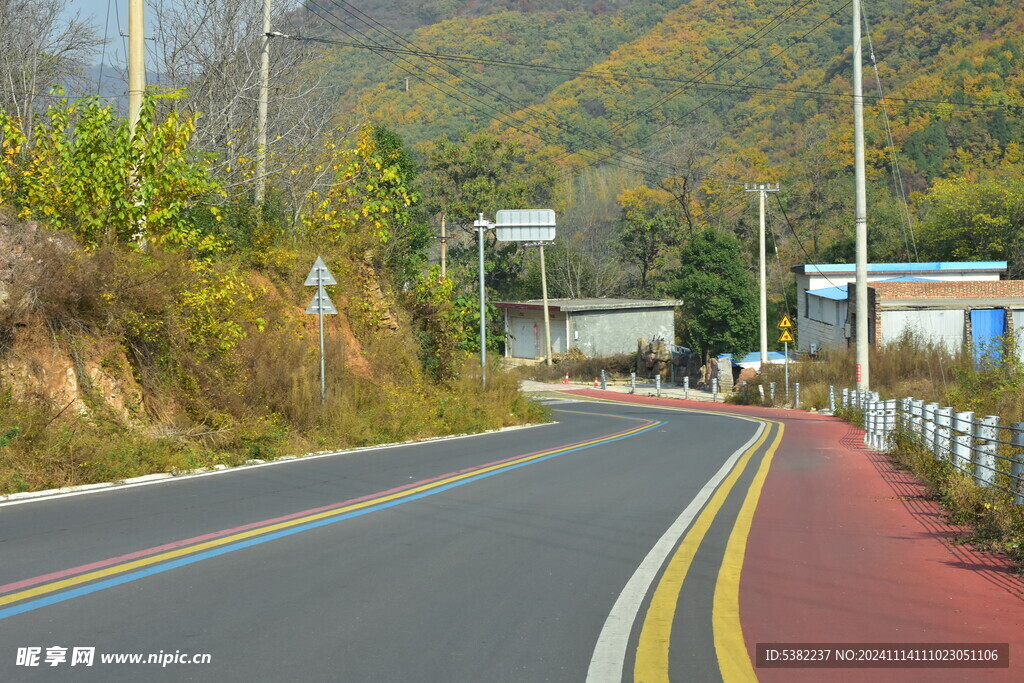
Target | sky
(98,11)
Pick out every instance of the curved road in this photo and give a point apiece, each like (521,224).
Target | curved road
(554,553)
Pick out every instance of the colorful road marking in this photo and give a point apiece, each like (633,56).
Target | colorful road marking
(115,571)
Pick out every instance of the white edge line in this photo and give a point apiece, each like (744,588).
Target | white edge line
(610,651)
(166,477)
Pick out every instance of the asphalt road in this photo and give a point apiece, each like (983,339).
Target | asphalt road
(553,553)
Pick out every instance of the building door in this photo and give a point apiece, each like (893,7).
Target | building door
(525,341)
(988,327)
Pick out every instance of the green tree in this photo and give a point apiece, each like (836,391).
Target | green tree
(85,172)
(976,221)
(372,207)
(483,174)
(650,228)
(719,296)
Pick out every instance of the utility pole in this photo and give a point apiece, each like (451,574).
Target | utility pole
(763,189)
(261,128)
(482,227)
(136,61)
(444,246)
(862,374)
(544,293)
(547,317)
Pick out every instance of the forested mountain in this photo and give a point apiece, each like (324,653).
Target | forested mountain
(638,122)
(695,98)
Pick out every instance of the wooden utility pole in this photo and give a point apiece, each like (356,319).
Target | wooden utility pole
(261,127)
(136,61)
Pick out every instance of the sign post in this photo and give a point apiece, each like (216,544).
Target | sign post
(786,325)
(544,293)
(321,305)
(518,225)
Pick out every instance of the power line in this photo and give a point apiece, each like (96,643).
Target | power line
(746,76)
(501,96)
(446,88)
(707,71)
(797,238)
(778,259)
(374,24)
(795,94)
(542,116)
(901,194)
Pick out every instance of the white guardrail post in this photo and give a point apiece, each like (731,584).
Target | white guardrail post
(943,423)
(871,424)
(963,440)
(929,427)
(831,398)
(985,454)
(917,419)
(889,423)
(866,418)
(1017,465)
(846,398)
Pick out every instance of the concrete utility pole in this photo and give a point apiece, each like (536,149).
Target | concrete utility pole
(544,293)
(547,318)
(482,226)
(261,127)
(444,247)
(763,189)
(862,374)
(136,61)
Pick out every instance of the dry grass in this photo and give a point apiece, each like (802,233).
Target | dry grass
(579,367)
(908,367)
(259,399)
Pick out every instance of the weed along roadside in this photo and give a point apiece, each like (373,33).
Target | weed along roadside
(116,364)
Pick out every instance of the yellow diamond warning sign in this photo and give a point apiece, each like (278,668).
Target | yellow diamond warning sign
(786,336)
(785,323)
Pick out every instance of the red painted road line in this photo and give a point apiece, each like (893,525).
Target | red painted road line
(843,549)
(43,578)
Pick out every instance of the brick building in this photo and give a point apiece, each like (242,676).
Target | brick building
(974,312)
(920,296)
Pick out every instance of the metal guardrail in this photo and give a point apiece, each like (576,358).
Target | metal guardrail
(991,453)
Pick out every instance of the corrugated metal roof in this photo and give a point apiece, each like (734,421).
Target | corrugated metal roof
(834,293)
(933,266)
(840,294)
(909,278)
(575,305)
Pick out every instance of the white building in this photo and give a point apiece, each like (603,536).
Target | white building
(597,327)
(823,315)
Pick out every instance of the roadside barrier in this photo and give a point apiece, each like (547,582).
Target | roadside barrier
(991,453)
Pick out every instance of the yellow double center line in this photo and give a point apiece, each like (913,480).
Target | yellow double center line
(652,655)
(447,481)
